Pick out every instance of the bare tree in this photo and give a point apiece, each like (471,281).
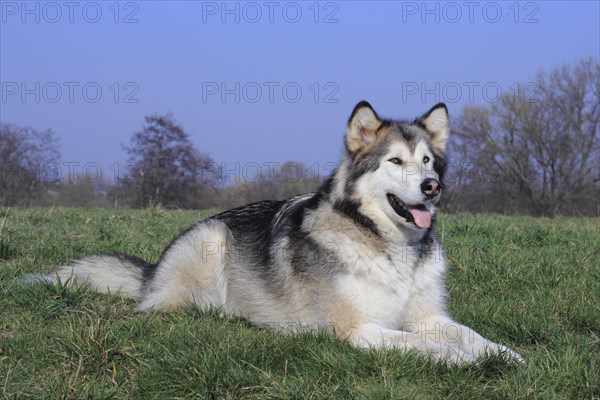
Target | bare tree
(166,169)
(28,165)
(544,152)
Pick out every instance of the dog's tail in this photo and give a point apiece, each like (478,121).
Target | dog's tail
(115,273)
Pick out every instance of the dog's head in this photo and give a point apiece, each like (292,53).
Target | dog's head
(396,168)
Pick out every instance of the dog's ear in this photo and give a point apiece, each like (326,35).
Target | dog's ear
(435,121)
(362,127)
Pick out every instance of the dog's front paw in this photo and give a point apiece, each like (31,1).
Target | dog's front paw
(510,354)
(503,351)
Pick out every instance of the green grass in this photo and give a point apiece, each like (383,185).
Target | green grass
(531,284)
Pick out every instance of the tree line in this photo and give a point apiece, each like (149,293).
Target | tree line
(163,169)
(535,155)
(539,156)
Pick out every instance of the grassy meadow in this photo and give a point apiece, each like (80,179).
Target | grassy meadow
(531,284)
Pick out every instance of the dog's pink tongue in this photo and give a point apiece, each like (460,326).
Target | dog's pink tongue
(422,217)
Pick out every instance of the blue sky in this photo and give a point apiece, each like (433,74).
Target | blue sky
(267,82)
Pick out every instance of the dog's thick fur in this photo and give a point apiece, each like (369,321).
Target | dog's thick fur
(359,256)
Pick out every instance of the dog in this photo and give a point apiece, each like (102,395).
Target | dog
(359,257)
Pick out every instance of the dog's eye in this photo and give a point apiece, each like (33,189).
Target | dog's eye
(395,160)
(425,160)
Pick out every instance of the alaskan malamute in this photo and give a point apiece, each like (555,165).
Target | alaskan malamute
(358,257)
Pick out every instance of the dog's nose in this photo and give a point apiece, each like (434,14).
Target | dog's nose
(430,187)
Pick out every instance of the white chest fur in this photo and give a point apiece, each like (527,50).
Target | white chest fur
(378,286)
(377,279)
